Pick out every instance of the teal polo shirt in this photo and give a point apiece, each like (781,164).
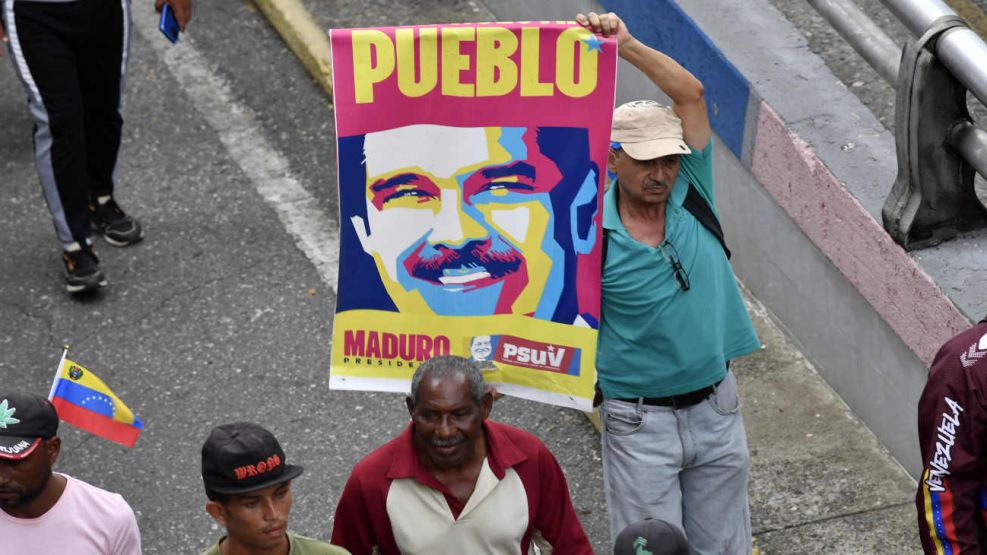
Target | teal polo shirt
(655,339)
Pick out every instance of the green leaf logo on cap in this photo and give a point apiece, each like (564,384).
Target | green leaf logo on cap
(639,544)
(6,415)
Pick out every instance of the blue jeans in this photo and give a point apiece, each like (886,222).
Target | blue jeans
(686,466)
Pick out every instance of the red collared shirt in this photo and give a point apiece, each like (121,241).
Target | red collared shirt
(393,504)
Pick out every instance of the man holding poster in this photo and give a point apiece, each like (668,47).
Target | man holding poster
(471,163)
(673,441)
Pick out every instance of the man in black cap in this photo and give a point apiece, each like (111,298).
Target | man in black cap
(42,512)
(248,483)
(651,537)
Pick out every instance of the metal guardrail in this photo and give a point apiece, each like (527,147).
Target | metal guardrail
(863,34)
(971,141)
(961,50)
(938,145)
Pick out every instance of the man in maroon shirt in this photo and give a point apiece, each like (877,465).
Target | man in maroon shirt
(952,429)
(454,482)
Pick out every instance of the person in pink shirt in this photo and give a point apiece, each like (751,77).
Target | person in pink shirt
(46,513)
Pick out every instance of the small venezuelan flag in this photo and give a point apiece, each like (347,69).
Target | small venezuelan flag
(83,400)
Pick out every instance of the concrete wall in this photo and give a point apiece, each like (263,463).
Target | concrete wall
(802,170)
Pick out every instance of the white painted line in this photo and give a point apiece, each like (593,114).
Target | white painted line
(315,232)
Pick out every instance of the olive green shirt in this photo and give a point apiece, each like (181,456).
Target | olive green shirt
(300,545)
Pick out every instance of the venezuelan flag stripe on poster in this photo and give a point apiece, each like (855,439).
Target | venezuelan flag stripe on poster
(83,400)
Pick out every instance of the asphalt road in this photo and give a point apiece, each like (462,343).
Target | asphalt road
(223,312)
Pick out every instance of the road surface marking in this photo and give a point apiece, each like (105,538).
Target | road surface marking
(314,231)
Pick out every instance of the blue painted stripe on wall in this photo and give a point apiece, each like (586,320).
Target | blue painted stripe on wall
(662,25)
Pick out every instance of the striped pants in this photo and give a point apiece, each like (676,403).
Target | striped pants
(71,58)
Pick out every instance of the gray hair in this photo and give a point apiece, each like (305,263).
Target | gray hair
(448,366)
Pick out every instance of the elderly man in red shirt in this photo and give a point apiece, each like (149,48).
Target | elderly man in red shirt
(455,482)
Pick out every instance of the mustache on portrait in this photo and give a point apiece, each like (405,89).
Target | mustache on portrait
(475,254)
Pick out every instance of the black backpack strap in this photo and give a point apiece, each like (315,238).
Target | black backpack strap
(698,207)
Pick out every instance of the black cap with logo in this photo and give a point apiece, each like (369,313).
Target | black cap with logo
(244,457)
(651,536)
(25,420)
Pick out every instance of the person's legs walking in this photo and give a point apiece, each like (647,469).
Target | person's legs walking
(43,44)
(642,457)
(716,514)
(42,37)
(102,75)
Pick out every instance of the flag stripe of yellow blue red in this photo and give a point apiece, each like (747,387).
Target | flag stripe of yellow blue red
(83,400)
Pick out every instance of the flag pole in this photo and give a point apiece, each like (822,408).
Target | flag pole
(58,370)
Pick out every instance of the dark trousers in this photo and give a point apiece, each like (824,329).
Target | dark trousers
(71,58)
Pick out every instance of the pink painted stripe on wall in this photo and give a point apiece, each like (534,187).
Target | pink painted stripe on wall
(898,288)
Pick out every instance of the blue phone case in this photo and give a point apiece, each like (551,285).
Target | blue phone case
(168,24)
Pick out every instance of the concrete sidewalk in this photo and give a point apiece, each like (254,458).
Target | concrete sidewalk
(820,481)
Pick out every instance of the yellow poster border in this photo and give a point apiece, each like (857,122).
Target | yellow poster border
(360,359)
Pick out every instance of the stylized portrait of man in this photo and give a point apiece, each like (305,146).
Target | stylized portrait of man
(481,349)
(467,220)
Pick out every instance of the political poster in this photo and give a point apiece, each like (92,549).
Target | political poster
(471,161)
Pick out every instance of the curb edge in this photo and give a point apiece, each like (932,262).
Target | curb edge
(307,41)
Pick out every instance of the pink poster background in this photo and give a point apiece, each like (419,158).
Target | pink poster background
(391,108)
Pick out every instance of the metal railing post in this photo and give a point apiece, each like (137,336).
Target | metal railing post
(933,197)
(938,146)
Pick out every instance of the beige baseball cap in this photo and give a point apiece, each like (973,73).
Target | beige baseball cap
(647,130)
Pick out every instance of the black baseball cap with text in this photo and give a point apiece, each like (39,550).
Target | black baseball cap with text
(25,420)
(243,457)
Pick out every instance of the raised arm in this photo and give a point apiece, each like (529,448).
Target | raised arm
(668,75)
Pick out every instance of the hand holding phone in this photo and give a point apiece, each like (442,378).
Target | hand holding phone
(168,24)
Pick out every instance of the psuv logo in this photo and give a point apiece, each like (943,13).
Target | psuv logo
(538,356)
(548,357)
